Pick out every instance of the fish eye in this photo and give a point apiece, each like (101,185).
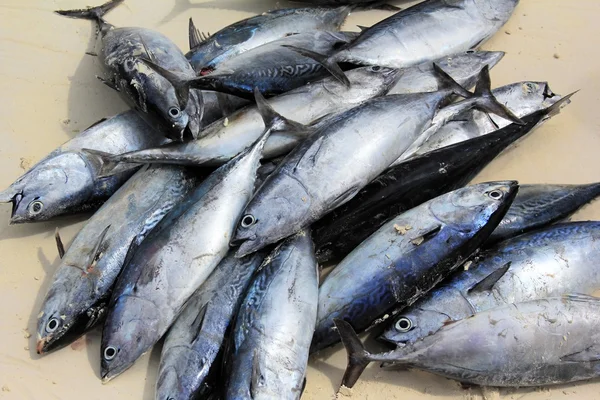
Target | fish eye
(52,325)
(110,352)
(404,324)
(495,194)
(470,51)
(36,207)
(376,68)
(248,220)
(174,112)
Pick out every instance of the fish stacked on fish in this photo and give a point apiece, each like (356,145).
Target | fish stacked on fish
(367,141)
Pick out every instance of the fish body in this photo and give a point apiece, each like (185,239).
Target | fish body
(409,184)
(174,261)
(65,181)
(224,139)
(408,256)
(522,98)
(194,343)
(206,54)
(546,263)
(272,67)
(427,31)
(78,296)
(462,67)
(334,164)
(275,325)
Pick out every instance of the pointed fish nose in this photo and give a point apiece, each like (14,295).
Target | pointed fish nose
(8,195)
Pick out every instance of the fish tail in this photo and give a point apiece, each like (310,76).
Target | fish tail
(327,62)
(106,163)
(446,82)
(273,120)
(94,13)
(358,357)
(483,99)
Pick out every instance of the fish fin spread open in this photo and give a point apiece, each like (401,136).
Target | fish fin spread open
(59,244)
(445,81)
(180,84)
(484,100)
(327,62)
(487,283)
(93,13)
(358,357)
(272,119)
(195,37)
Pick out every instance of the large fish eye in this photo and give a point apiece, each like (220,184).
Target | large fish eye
(174,112)
(495,194)
(248,220)
(52,325)
(36,207)
(376,68)
(404,324)
(110,352)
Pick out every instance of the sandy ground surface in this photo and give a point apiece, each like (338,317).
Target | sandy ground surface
(49,93)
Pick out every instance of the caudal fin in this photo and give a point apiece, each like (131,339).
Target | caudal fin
(358,357)
(445,81)
(484,100)
(108,164)
(272,119)
(94,13)
(327,62)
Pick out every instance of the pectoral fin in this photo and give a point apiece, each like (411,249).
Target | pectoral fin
(487,283)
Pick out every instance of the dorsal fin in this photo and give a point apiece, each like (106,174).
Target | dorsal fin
(59,244)
(487,283)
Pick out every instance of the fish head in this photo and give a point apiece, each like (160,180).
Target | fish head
(277,211)
(157,98)
(53,187)
(130,330)
(365,82)
(61,320)
(526,97)
(414,325)
(473,207)
(470,62)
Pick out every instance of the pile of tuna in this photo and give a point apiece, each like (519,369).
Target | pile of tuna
(216,206)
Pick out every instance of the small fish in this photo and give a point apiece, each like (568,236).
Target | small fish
(172,110)
(66,180)
(193,344)
(175,259)
(273,67)
(549,262)
(391,270)
(464,68)
(224,139)
(81,286)
(270,340)
(207,51)
(341,157)
(413,182)
(425,32)
(549,341)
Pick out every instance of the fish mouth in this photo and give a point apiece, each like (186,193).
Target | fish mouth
(495,57)
(16,201)
(40,347)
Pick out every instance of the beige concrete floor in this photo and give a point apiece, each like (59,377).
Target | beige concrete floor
(49,93)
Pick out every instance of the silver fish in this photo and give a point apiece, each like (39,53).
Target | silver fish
(522,98)
(192,345)
(81,286)
(555,260)
(550,341)
(462,67)
(275,324)
(66,181)
(426,32)
(174,261)
(229,136)
(408,256)
(122,51)
(336,161)
(208,51)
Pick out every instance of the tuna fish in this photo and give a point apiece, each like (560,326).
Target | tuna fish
(207,51)
(174,261)
(66,181)
(408,256)
(193,346)
(271,338)
(81,287)
(555,260)
(540,342)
